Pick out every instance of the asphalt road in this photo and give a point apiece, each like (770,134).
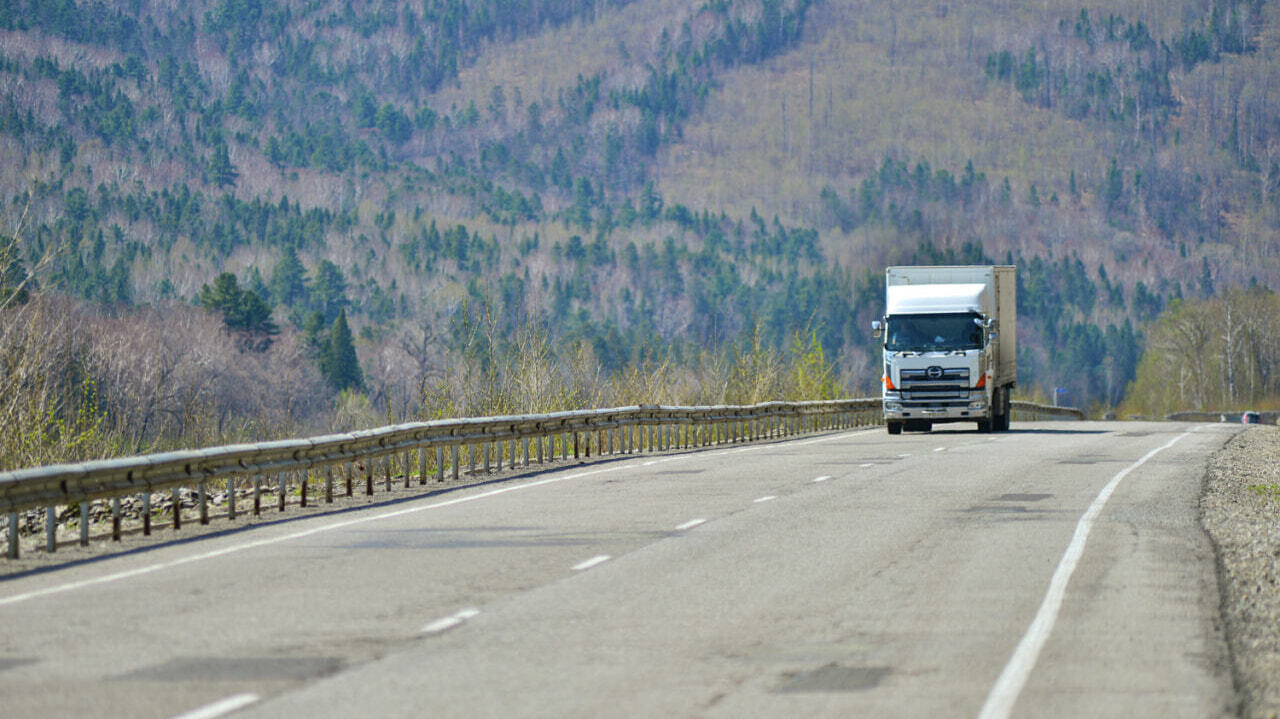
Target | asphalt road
(1055,571)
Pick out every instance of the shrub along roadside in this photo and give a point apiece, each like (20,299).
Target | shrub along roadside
(79,383)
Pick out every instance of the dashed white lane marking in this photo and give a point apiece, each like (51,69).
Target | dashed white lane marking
(904,456)
(939,449)
(221,707)
(268,541)
(1004,694)
(690,524)
(868,464)
(765,498)
(823,478)
(444,624)
(598,559)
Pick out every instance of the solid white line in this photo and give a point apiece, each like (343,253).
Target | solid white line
(823,478)
(599,559)
(221,707)
(1004,694)
(690,524)
(451,621)
(765,499)
(149,569)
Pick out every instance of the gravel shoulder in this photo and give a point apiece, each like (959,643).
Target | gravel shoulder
(1240,509)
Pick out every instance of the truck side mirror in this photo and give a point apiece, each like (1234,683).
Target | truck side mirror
(877,328)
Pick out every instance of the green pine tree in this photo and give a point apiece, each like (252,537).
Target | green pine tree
(289,284)
(221,171)
(241,309)
(338,361)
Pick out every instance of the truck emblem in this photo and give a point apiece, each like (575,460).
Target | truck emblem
(934,372)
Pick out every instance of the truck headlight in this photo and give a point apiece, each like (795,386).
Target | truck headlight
(978,404)
(892,406)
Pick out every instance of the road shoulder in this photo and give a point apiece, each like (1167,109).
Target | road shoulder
(1240,510)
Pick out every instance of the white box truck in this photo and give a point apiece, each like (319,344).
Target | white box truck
(950,346)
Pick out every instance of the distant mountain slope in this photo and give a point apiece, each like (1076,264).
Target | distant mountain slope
(646,177)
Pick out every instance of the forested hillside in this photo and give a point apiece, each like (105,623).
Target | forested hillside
(393,200)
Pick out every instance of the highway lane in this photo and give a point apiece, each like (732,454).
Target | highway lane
(845,575)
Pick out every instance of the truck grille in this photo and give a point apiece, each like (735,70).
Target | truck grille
(935,383)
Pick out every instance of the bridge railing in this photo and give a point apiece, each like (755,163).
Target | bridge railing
(288,469)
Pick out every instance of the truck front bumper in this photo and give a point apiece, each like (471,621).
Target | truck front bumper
(957,409)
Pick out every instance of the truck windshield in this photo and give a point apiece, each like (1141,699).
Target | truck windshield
(934,333)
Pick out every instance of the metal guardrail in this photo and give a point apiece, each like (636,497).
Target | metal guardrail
(1034,410)
(621,430)
(1267,416)
(290,465)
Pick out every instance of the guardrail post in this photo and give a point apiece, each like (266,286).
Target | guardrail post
(231,497)
(281,479)
(257,495)
(84,523)
(486,448)
(350,472)
(388,464)
(50,529)
(328,484)
(367,465)
(13,535)
(204,504)
(454,449)
(176,498)
(305,476)
(440,463)
(115,519)
(406,469)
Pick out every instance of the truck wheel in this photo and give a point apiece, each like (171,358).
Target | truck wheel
(984,426)
(893,427)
